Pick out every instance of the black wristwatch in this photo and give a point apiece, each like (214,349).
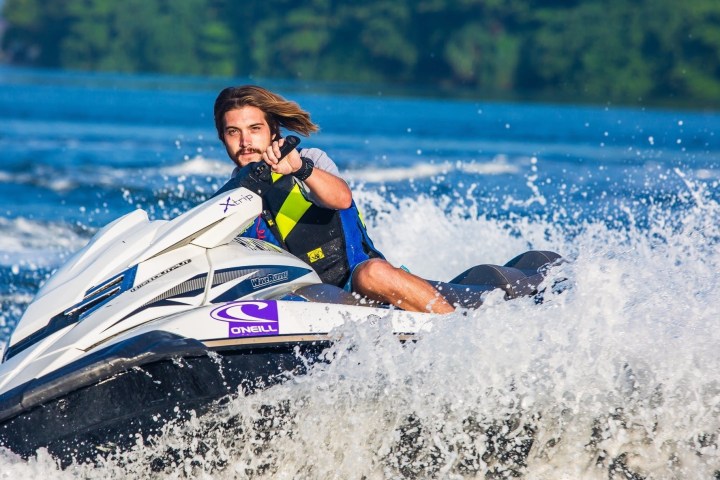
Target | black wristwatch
(305,169)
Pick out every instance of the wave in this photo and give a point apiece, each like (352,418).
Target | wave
(199,165)
(614,377)
(35,244)
(498,166)
(63,179)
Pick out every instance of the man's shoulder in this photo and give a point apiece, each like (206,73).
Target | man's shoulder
(315,154)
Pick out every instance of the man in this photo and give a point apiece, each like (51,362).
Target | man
(310,210)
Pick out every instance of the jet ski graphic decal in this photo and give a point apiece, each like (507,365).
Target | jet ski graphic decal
(249,318)
(251,280)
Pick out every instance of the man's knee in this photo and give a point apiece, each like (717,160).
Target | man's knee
(373,272)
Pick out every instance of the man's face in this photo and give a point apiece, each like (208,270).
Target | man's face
(246,135)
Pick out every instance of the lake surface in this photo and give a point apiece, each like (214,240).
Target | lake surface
(618,375)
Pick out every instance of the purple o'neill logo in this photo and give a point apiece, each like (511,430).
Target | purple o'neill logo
(249,318)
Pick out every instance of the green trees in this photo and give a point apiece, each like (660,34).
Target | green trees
(590,50)
(128,36)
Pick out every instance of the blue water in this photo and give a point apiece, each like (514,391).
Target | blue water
(629,196)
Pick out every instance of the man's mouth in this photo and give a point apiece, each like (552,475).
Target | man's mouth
(248,151)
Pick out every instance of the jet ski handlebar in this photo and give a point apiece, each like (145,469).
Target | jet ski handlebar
(262,170)
(257,176)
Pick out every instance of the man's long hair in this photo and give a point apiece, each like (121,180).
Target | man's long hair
(278,111)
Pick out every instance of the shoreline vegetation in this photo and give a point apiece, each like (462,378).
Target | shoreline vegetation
(649,53)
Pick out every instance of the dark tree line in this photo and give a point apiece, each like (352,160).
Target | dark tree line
(580,50)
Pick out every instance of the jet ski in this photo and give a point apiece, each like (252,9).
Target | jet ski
(155,319)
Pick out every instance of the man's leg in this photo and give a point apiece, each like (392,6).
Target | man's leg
(379,280)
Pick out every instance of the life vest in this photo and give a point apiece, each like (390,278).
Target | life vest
(332,242)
